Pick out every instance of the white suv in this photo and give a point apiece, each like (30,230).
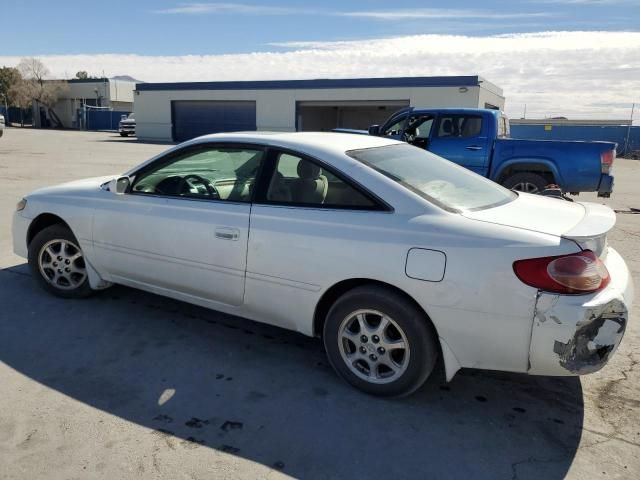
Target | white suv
(1,124)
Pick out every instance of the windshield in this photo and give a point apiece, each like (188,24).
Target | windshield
(131,116)
(439,181)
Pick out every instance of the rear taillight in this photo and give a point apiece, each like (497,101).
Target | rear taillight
(606,160)
(581,272)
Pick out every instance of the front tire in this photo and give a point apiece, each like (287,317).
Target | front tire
(57,263)
(380,342)
(122,134)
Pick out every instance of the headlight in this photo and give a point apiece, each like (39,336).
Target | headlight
(21,205)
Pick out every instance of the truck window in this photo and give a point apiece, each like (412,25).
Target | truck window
(420,126)
(459,126)
(503,127)
(395,128)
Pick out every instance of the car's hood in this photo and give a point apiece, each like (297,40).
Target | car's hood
(128,122)
(582,222)
(73,188)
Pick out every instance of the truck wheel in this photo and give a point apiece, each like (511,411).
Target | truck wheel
(380,342)
(528,182)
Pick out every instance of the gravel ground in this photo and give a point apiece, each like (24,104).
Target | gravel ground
(131,385)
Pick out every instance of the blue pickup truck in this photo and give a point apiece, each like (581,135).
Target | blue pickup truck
(478,139)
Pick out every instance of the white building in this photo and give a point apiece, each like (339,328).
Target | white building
(105,92)
(179,111)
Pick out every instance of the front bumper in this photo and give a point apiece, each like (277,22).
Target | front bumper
(577,334)
(606,186)
(19,228)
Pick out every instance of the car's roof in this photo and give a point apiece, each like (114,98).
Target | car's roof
(303,141)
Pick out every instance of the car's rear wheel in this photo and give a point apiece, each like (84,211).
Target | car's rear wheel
(528,182)
(379,341)
(57,263)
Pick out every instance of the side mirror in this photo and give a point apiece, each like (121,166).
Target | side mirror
(119,186)
(374,130)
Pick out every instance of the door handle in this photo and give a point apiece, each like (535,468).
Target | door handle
(474,147)
(227,233)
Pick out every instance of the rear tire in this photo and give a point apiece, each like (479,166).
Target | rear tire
(57,263)
(380,342)
(527,182)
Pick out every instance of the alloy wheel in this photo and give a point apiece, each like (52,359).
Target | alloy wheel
(62,265)
(373,346)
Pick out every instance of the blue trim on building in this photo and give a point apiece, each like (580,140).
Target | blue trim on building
(459,81)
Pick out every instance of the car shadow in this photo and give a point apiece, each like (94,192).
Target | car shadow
(129,139)
(216,381)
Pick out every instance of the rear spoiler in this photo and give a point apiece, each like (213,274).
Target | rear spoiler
(597,221)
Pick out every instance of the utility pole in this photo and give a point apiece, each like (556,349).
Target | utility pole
(524,115)
(626,142)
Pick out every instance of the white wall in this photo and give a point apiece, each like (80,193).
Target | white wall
(275,109)
(121,91)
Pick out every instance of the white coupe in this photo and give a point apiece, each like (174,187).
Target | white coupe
(391,254)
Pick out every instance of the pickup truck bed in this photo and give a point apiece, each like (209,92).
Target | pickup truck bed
(478,139)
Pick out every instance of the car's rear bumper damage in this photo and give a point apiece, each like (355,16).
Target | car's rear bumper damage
(577,334)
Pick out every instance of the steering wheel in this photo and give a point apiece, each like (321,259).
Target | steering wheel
(192,181)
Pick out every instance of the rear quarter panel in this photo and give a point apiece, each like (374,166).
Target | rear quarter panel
(575,165)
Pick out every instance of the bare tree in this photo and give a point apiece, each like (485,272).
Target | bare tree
(20,94)
(37,86)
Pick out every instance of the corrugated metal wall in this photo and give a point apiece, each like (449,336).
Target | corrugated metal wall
(103,119)
(616,134)
(193,118)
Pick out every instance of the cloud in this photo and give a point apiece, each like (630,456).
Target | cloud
(395,14)
(231,8)
(574,74)
(438,13)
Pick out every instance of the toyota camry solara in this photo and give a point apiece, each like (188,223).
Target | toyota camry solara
(391,254)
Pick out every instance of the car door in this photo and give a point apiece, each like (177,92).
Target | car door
(183,225)
(463,139)
(307,229)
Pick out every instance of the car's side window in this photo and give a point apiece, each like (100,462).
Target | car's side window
(300,181)
(459,126)
(214,173)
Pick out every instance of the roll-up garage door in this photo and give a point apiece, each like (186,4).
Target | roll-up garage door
(192,118)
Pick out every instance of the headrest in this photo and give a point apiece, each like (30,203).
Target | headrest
(308,170)
(447,126)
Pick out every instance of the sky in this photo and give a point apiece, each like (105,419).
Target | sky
(575,58)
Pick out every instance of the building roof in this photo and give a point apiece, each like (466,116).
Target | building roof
(451,81)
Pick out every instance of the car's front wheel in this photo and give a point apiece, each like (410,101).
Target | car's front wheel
(379,341)
(57,263)
(123,134)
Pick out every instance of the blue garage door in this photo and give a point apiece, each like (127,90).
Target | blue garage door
(192,118)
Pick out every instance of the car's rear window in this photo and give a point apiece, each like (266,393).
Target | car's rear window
(439,181)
